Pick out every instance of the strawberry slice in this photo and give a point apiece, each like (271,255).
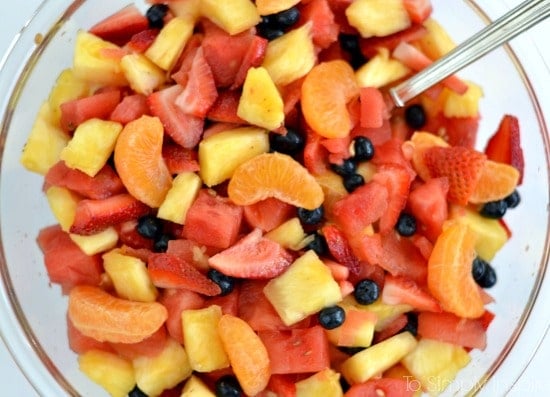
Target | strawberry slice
(119,27)
(93,216)
(131,107)
(504,146)
(224,109)
(340,249)
(402,290)
(184,129)
(129,236)
(77,111)
(171,271)
(179,159)
(254,257)
(183,65)
(460,165)
(252,58)
(141,41)
(418,10)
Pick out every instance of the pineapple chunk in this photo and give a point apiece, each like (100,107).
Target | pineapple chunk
(220,154)
(169,43)
(290,56)
(381,70)
(376,359)
(378,17)
(96,243)
(45,143)
(436,42)
(163,371)
(333,187)
(63,204)
(187,9)
(91,146)
(178,200)
(435,364)
(290,235)
(201,339)
(304,288)
(129,276)
(261,103)
(194,387)
(142,74)
(266,7)
(112,372)
(233,16)
(465,105)
(325,383)
(67,87)
(91,65)
(491,235)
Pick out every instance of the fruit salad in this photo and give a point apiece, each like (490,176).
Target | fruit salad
(242,211)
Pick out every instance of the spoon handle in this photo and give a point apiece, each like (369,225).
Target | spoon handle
(514,22)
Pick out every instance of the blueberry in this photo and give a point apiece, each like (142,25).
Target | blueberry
(406,225)
(291,143)
(348,167)
(161,243)
(155,15)
(494,209)
(489,279)
(483,273)
(331,317)
(149,226)
(513,200)
(228,386)
(412,323)
(311,217)
(415,116)
(353,181)
(479,267)
(350,44)
(226,283)
(287,18)
(351,350)
(136,392)
(268,32)
(366,292)
(318,245)
(364,149)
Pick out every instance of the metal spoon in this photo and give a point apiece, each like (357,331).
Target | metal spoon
(514,22)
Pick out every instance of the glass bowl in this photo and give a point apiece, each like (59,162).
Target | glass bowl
(33,312)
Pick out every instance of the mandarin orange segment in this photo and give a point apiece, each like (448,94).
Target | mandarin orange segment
(326,91)
(274,175)
(106,318)
(247,354)
(450,277)
(497,181)
(139,161)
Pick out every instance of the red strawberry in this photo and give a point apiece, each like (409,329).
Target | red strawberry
(340,249)
(224,109)
(99,105)
(254,257)
(460,165)
(119,27)
(183,128)
(141,41)
(93,216)
(131,107)
(183,65)
(403,290)
(171,271)
(252,58)
(179,159)
(504,146)
(129,236)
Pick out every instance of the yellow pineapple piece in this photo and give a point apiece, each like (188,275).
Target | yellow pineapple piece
(169,43)
(45,142)
(290,235)
(385,313)
(363,329)
(91,145)
(435,364)
(201,339)
(325,383)
(261,103)
(290,56)
(304,288)
(233,16)
(266,7)
(379,357)
(163,371)
(194,387)
(129,276)
(91,64)
(381,70)
(113,373)
(67,87)
(63,204)
(142,74)
(465,105)
(187,9)
(96,243)
(220,154)
(333,187)
(436,42)
(178,200)
(378,17)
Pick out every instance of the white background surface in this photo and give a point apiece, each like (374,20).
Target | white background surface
(535,379)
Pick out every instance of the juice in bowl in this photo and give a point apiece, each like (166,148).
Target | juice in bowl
(38,308)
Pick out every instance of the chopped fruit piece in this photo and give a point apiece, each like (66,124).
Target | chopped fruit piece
(496,182)
(180,197)
(63,205)
(189,9)
(139,161)
(113,373)
(169,43)
(463,105)
(266,7)
(401,290)
(289,235)
(380,70)
(100,315)
(268,214)
(119,27)
(67,87)
(326,91)
(373,108)
(98,242)
(274,175)
(142,74)
(378,17)
(450,278)
(419,143)
(233,16)
(340,248)
(176,300)
(437,41)
(130,108)
(357,330)
(304,288)
(428,204)
(247,354)
(194,386)
(418,10)
(447,327)
(324,383)
(399,386)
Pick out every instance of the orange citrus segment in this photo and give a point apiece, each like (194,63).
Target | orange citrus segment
(106,318)
(497,181)
(274,175)
(450,277)
(326,91)
(139,161)
(247,354)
